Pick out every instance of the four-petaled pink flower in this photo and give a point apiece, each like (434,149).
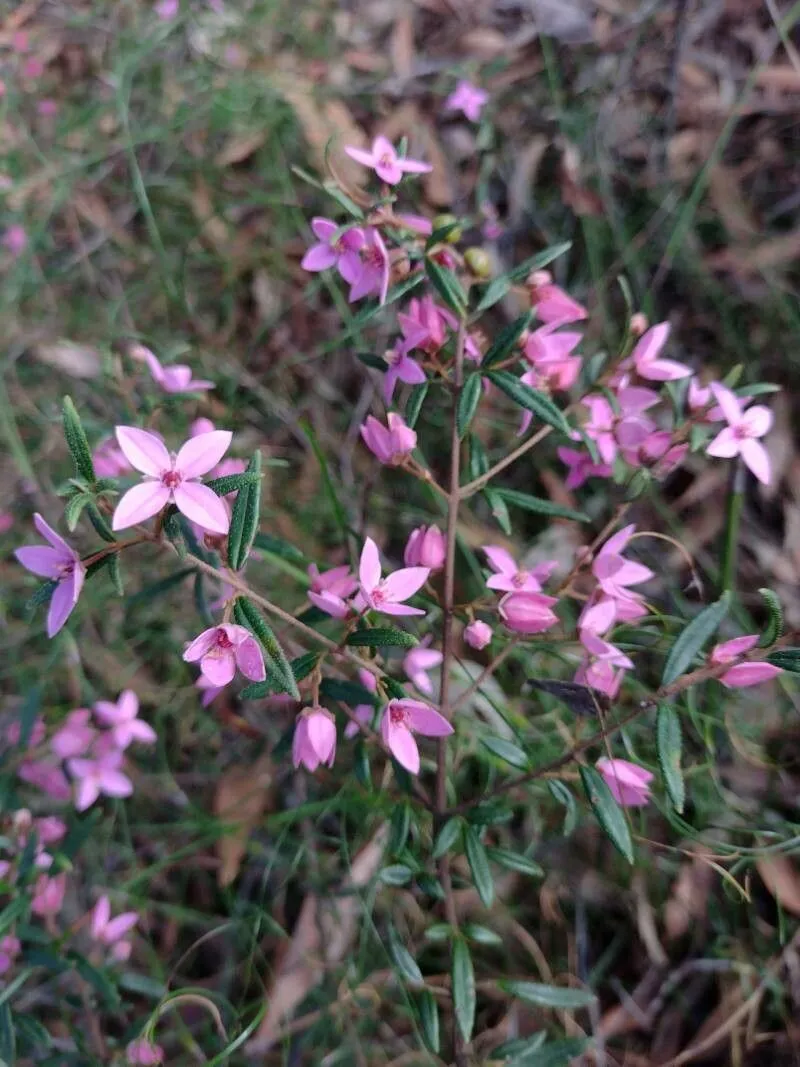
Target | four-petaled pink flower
(478,634)
(143,1053)
(386,163)
(629,784)
(392,443)
(581,467)
(330,589)
(528,613)
(646,357)
(600,675)
(426,547)
(221,649)
(742,674)
(424,325)
(100,774)
(404,718)
(613,572)
(172,479)
(176,378)
(552,304)
(75,736)
(61,564)
(48,894)
(373,273)
(45,776)
(400,367)
(741,436)
(336,247)
(111,932)
(417,662)
(122,718)
(362,712)
(388,594)
(467,98)
(511,578)
(314,739)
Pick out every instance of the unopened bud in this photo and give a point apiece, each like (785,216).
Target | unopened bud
(538,278)
(638,324)
(455,235)
(478,261)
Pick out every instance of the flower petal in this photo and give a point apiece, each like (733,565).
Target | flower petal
(202,644)
(219,666)
(250,661)
(143,450)
(403,747)
(744,674)
(319,257)
(501,561)
(61,604)
(405,583)
(650,344)
(203,452)
(369,570)
(115,783)
(86,793)
(140,504)
(49,534)
(756,457)
(360,155)
(758,420)
(322,228)
(203,506)
(728,401)
(118,927)
(414,166)
(41,560)
(725,445)
(399,609)
(426,720)
(100,916)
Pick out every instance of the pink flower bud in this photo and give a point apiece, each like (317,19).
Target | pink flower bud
(528,613)
(314,738)
(478,634)
(143,1053)
(389,444)
(638,324)
(742,675)
(629,784)
(426,548)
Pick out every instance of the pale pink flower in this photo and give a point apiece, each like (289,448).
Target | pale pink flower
(417,662)
(176,378)
(373,273)
(600,675)
(581,467)
(601,612)
(99,775)
(47,108)
(330,589)
(478,634)
(400,367)
(36,736)
(699,396)
(604,650)
(61,564)
(143,1053)
(613,572)
(48,894)
(741,436)
(122,719)
(404,718)
(552,304)
(629,784)
(50,829)
(426,547)
(111,932)
(753,672)
(109,460)
(491,228)
(167,9)
(314,739)
(528,613)
(392,443)
(387,595)
(416,223)
(468,99)
(20,42)
(75,736)
(15,239)
(50,779)
(363,712)
(548,345)
(336,247)
(9,950)
(424,325)
(510,578)
(386,163)
(600,427)
(646,357)
(208,691)
(221,649)
(32,68)
(172,479)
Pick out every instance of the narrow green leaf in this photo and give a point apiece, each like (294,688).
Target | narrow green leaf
(403,960)
(463,979)
(115,573)
(8,1039)
(446,285)
(74,508)
(514,861)
(479,866)
(482,935)
(341,198)
(77,443)
(499,510)
(788,659)
(43,593)
(563,795)
(247,614)
(416,398)
(478,460)
(173,531)
(468,403)
(447,837)
(439,932)
(609,814)
(506,340)
(381,637)
(369,359)
(548,996)
(429,1019)
(506,751)
(668,746)
(347,692)
(399,827)
(693,637)
(233,483)
(97,519)
(530,399)
(277,546)
(554,1054)
(539,505)
(519,1046)
(498,287)
(338,510)
(774,628)
(396,874)
(245,517)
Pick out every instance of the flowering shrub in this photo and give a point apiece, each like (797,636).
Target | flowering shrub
(595,646)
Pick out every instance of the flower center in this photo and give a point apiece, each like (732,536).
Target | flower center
(223,641)
(372,256)
(379,594)
(742,431)
(66,569)
(171,479)
(386,160)
(519,579)
(398,715)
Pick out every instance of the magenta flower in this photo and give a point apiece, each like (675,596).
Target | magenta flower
(314,739)
(646,357)
(604,651)
(373,273)
(9,950)
(172,479)
(417,662)
(742,674)
(221,649)
(38,730)
(143,1053)
(629,784)
(109,460)
(416,223)
(363,712)
(176,378)
(600,675)
(400,367)
(613,572)
(404,718)
(61,564)
(99,775)
(48,894)
(528,613)
(699,396)
(167,9)
(548,344)
(335,248)
(51,780)
(426,547)
(581,467)
(601,612)
(6,521)
(75,736)
(50,829)
(122,718)
(552,304)
(330,589)
(387,595)
(389,444)
(468,99)
(108,931)
(424,325)
(386,163)
(510,578)
(741,436)
(478,634)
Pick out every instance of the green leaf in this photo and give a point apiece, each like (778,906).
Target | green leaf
(555,1054)
(97,519)
(416,398)
(341,198)
(346,692)
(115,573)
(173,531)
(482,935)
(788,659)
(369,359)
(478,460)
(463,979)
(498,288)
(439,932)
(447,837)
(12,912)
(774,628)
(548,996)
(530,399)
(247,614)
(396,874)
(499,510)
(399,827)
(233,483)
(77,443)
(514,861)
(42,594)
(540,506)
(479,866)
(446,285)
(506,751)
(72,512)
(338,510)
(278,547)
(668,746)
(429,1019)
(8,1040)
(609,814)
(245,517)
(562,795)
(519,1046)
(693,637)
(506,340)
(381,637)
(468,402)
(304,664)
(403,960)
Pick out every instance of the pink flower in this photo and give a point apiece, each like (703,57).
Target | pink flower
(601,612)
(603,650)
(417,662)
(314,739)
(110,932)
(109,461)
(646,357)
(61,564)
(581,467)
(47,108)
(335,248)
(741,436)
(400,367)
(386,163)
(9,950)
(510,578)
(424,325)
(742,674)
(629,784)
(174,379)
(143,1053)
(75,736)
(32,68)
(171,479)
(613,572)
(363,712)
(122,718)
(50,829)
(600,675)
(552,304)
(404,718)
(167,9)
(468,99)
(330,589)
(209,692)
(699,396)
(15,239)
(416,223)
(528,613)
(51,780)
(373,273)
(426,547)
(100,775)
(387,594)
(478,634)
(36,736)
(389,445)
(6,521)
(221,649)
(48,894)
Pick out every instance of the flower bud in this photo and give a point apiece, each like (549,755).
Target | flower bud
(478,261)
(629,784)
(528,613)
(426,547)
(478,634)
(638,324)
(314,738)
(143,1053)
(455,235)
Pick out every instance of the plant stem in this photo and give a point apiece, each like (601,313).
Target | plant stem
(733,517)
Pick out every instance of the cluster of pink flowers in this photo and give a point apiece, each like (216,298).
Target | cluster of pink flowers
(333,591)
(524,609)
(48,889)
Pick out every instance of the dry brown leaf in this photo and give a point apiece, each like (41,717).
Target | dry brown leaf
(782,880)
(91,207)
(401,46)
(688,902)
(484,43)
(76,360)
(241,798)
(726,196)
(240,147)
(214,229)
(566,20)
(322,935)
